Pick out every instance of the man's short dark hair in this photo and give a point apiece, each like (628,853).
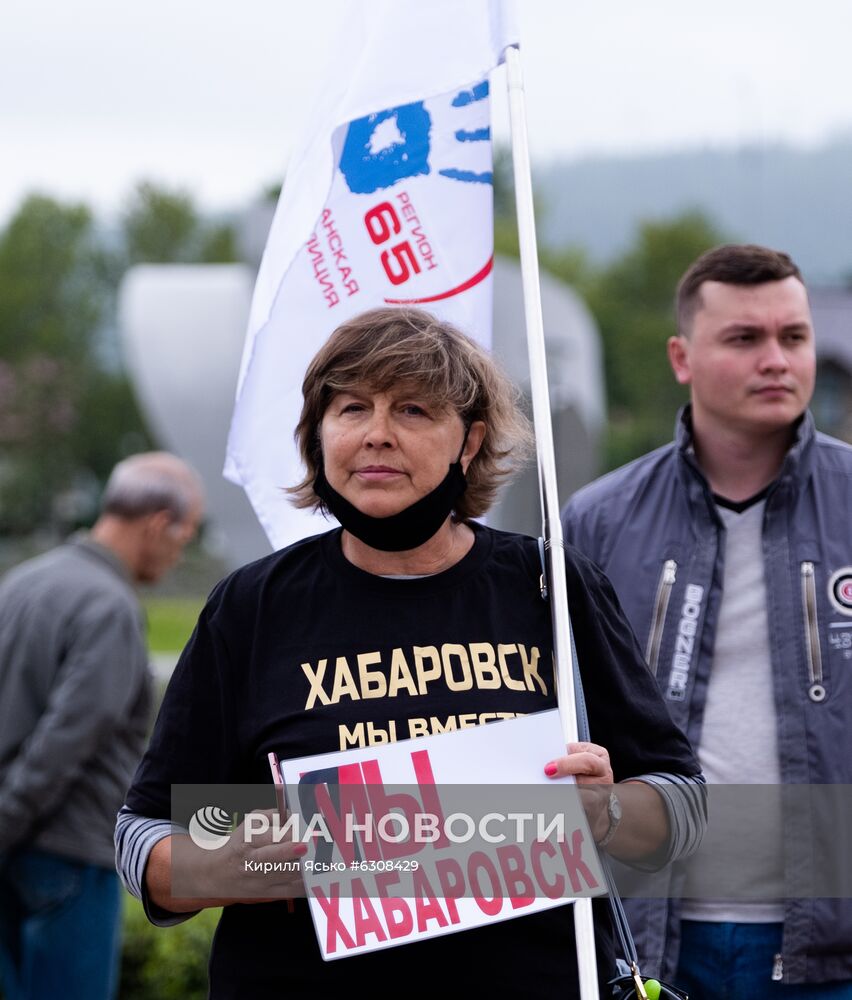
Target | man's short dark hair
(731,264)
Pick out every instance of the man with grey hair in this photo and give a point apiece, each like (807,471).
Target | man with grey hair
(75,700)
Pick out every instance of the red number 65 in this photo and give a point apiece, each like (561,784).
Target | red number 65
(399,262)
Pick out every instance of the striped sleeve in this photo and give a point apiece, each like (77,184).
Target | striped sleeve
(135,837)
(685,800)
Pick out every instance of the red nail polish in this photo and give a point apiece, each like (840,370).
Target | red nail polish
(550,769)
(300,849)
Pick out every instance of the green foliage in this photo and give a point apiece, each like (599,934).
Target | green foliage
(109,426)
(632,301)
(159,226)
(506,238)
(51,288)
(63,425)
(170,622)
(505,224)
(164,227)
(502,172)
(53,297)
(165,963)
(218,245)
(571,265)
(67,415)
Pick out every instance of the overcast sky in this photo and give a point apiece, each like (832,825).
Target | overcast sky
(95,94)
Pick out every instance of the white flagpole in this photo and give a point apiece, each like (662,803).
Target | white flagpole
(551,525)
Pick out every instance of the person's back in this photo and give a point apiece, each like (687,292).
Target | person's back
(78,595)
(75,699)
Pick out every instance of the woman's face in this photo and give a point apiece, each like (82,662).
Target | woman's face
(383,451)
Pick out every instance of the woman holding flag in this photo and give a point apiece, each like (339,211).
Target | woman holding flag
(407,429)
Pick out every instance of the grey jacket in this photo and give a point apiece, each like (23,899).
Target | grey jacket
(652,526)
(75,698)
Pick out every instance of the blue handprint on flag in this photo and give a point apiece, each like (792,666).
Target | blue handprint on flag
(389,146)
(482,134)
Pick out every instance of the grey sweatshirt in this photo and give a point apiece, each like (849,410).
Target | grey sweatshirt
(75,700)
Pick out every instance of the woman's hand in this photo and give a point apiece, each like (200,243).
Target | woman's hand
(589,764)
(182,877)
(644,825)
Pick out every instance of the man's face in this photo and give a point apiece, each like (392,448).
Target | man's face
(749,360)
(164,542)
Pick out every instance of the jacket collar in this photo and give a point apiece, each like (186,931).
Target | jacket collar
(795,469)
(82,541)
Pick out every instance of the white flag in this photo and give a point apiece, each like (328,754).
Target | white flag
(388,201)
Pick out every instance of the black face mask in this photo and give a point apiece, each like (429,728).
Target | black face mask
(410,527)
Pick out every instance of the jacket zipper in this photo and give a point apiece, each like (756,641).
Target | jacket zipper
(816,691)
(661,604)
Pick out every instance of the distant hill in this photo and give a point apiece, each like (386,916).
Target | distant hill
(795,199)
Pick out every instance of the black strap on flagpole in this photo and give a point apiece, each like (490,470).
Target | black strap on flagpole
(628,981)
(619,917)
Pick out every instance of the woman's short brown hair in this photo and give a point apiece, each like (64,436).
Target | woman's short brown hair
(387,348)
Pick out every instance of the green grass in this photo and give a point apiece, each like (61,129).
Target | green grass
(165,963)
(171,621)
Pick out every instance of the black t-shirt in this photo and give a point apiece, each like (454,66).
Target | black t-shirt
(303,653)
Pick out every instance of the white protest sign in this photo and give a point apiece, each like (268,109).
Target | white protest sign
(426,837)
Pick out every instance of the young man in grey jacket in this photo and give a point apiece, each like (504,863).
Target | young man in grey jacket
(75,705)
(731,552)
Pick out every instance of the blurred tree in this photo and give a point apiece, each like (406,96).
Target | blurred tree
(164,227)
(505,221)
(218,245)
(53,291)
(632,301)
(67,412)
(159,226)
(570,263)
(272,192)
(51,282)
(161,963)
